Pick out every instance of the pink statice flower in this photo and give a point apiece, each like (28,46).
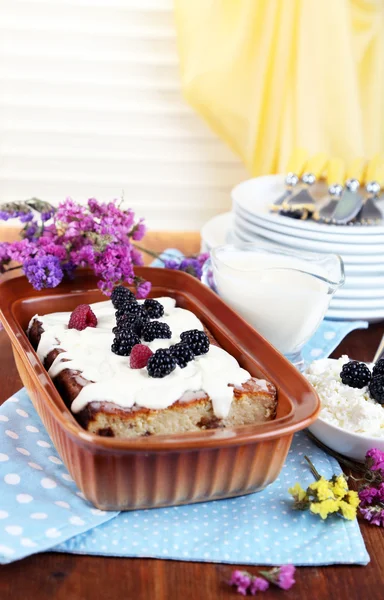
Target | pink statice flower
(375,460)
(241,580)
(95,235)
(282,577)
(246,583)
(368,495)
(138,231)
(143,289)
(258,584)
(4,256)
(285,579)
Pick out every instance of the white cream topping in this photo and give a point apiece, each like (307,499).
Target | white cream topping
(89,351)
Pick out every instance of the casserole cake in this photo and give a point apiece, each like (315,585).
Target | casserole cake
(128,368)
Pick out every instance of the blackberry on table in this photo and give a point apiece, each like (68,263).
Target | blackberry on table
(154,309)
(197,340)
(161,363)
(376,388)
(154,330)
(355,374)
(123,344)
(182,353)
(378,369)
(120,295)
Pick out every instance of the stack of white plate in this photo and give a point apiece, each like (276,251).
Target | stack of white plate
(361,247)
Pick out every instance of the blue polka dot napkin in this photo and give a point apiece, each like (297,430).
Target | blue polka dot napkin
(41,508)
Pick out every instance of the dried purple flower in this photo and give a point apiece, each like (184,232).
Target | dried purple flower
(374,514)
(30,231)
(191,265)
(43,271)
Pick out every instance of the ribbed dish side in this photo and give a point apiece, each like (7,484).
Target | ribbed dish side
(116,481)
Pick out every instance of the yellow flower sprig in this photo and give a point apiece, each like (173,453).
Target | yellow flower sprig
(326,496)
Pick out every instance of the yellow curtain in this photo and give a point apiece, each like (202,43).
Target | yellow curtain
(271,75)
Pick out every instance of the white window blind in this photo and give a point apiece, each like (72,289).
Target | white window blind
(91,105)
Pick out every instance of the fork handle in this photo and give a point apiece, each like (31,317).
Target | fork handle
(296,162)
(356,169)
(380,351)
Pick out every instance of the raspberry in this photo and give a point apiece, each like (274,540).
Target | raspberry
(124,344)
(82,317)
(197,340)
(156,331)
(355,374)
(182,353)
(139,356)
(378,369)
(120,295)
(376,388)
(154,309)
(161,363)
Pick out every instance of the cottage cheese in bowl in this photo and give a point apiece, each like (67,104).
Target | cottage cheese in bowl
(350,421)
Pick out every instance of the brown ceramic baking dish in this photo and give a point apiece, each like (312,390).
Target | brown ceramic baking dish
(118,474)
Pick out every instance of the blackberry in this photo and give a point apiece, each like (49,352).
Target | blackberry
(154,309)
(123,345)
(133,322)
(197,340)
(355,374)
(128,308)
(120,295)
(161,363)
(378,369)
(129,318)
(182,353)
(124,333)
(376,388)
(154,330)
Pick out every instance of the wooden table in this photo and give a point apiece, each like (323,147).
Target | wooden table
(55,576)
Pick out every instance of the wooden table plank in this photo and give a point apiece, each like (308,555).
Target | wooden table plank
(71,577)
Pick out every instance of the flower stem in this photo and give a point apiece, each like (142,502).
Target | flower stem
(150,252)
(314,472)
(158,255)
(12,268)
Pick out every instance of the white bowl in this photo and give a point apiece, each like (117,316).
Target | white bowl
(351,445)
(216,231)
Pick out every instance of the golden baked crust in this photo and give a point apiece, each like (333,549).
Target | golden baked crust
(253,402)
